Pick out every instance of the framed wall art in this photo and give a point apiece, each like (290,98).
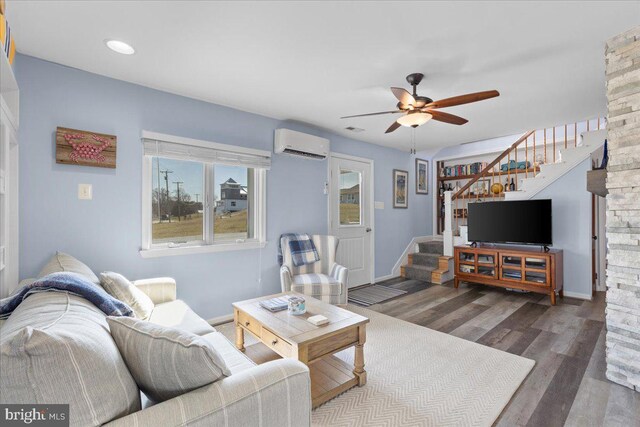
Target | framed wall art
(400,189)
(422,176)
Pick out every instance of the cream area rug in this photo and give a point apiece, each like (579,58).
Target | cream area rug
(420,377)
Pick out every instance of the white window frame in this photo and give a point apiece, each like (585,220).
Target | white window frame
(257,203)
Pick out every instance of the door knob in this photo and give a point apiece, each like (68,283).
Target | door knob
(368,230)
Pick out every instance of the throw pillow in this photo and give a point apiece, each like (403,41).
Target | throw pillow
(166,362)
(56,348)
(64,262)
(120,288)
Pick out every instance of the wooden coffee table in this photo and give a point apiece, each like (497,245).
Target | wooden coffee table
(292,336)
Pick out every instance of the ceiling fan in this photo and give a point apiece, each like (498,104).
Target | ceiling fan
(420,109)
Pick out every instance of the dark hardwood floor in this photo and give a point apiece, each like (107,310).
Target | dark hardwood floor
(568,384)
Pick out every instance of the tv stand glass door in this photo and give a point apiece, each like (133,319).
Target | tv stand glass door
(482,262)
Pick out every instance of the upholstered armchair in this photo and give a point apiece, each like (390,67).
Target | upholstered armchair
(325,279)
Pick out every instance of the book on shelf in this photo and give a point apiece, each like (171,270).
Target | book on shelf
(460,170)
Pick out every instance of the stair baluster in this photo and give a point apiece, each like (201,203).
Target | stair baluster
(545,147)
(554,144)
(535,160)
(493,181)
(534,145)
(526,158)
(516,172)
(508,167)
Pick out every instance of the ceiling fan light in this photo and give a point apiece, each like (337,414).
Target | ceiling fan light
(414,119)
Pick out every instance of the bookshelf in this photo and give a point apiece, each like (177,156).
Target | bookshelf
(457,181)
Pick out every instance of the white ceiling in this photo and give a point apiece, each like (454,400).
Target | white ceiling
(316,61)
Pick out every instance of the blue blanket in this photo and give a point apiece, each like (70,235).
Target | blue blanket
(72,283)
(303,250)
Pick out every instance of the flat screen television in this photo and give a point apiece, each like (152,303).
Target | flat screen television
(525,222)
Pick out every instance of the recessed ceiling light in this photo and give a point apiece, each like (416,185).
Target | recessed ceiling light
(120,47)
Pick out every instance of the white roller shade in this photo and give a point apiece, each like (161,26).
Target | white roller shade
(202,151)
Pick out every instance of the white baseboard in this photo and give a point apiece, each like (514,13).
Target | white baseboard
(383,278)
(587,297)
(220,320)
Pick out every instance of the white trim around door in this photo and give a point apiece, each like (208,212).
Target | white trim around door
(369,202)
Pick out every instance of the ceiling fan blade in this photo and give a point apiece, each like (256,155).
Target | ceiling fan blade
(394,126)
(403,96)
(446,117)
(373,114)
(463,99)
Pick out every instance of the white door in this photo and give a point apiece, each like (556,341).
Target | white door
(350,215)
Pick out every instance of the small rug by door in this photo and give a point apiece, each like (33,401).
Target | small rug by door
(374,294)
(420,377)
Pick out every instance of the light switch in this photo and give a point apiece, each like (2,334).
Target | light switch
(379,205)
(85,192)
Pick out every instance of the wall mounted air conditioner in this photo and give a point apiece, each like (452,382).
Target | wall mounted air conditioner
(300,144)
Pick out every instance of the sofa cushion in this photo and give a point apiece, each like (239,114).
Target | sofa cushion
(119,287)
(64,262)
(166,362)
(316,284)
(236,360)
(177,314)
(56,348)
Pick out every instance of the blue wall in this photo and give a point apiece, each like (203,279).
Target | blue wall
(572,227)
(105,232)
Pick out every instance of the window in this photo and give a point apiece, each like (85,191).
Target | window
(350,197)
(177,207)
(201,196)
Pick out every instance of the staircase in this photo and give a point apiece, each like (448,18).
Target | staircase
(428,264)
(533,162)
(568,158)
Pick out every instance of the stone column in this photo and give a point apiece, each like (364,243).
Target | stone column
(623,209)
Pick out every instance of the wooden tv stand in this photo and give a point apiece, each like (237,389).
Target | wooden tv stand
(529,269)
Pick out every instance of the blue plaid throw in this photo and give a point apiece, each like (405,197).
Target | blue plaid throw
(303,251)
(67,282)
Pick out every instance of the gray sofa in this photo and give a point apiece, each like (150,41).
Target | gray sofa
(81,365)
